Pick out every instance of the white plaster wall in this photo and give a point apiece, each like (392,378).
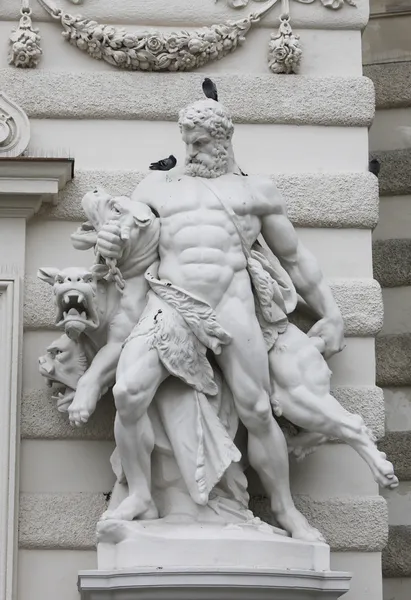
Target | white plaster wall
(388,129)
(387,39)
(52,574)
(396,589)
(395,218)
(351,255)
(397,310)
(184,13)
(134,144)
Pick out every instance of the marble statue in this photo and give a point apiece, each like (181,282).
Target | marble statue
(185,312)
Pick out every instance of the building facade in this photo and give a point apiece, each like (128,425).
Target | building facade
(92,123)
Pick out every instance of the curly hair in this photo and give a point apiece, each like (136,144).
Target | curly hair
(210,115)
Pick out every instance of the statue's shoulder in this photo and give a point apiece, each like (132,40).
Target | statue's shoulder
(145,190)
(265,189)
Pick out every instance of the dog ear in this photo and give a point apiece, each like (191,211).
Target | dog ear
(48,274)
(142,214)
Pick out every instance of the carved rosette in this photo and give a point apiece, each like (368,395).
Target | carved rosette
(25,50)
(14,128)
(284,50)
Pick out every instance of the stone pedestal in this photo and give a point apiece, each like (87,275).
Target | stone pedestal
(220,583)
(158,560)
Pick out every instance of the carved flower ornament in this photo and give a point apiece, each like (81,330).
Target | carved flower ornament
(156,51)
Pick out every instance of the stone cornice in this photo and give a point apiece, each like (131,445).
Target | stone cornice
(27,182)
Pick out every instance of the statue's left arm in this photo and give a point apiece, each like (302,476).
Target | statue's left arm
(304,271)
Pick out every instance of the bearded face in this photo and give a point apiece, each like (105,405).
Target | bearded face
(206,156)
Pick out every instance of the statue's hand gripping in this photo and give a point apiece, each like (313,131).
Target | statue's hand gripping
(111,240)
(331,332)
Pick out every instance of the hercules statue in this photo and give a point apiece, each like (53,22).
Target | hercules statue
(211,216)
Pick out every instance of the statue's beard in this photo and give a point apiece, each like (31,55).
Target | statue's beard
(209,165)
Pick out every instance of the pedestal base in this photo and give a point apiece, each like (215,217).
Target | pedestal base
(163,560)
(212,584)
(159,543)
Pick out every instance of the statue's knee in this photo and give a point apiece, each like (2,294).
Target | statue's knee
(257,415)
(130,403)
(263,411)
(120,393)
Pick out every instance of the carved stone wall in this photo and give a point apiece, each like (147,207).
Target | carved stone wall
(310,133)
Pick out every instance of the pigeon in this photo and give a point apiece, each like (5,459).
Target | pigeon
(374,167)
(164,165)
(210,89)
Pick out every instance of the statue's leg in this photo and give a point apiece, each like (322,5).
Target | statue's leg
(139,375)
(302,387)
(244,363)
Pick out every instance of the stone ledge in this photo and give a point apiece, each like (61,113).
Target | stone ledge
(392,262)
(68,521)
(395,175)
(41,420)
(392,83)
(393,354)
(340,101)
(183,13)
(313,200)
(396,556)
(359,300)
(397,446)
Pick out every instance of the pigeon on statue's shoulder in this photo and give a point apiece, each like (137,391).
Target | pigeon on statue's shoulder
(166,164)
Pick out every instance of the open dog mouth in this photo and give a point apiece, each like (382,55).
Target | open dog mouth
(73,306)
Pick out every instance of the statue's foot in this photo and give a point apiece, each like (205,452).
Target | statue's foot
(383,471)
(298,526)
(132,507)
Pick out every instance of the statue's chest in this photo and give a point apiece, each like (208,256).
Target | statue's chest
(190,194)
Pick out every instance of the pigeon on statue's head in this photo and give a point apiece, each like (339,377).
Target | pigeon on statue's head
(210,89)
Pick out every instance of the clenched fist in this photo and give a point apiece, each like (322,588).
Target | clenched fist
(331,331)
(111,241)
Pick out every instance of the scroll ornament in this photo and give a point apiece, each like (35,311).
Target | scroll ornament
(14,128)
(25,50)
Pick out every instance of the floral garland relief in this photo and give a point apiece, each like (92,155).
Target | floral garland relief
(24,40)
(156,51)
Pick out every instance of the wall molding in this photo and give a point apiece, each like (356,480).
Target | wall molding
(40,419)
(68,521)
(360,301)
(340,200)
(10,344)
